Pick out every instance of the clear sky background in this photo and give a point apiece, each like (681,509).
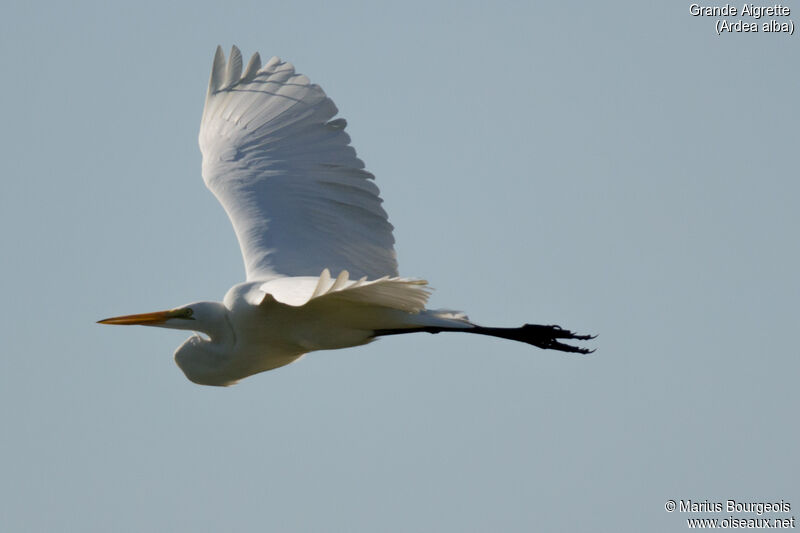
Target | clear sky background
(613,167)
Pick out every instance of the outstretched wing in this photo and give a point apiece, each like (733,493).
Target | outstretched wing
(299,199)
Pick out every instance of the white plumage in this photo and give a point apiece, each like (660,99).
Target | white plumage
(302,207)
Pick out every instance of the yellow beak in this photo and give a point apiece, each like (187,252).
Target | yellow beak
(157,317)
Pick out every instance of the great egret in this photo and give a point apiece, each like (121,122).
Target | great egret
(302,206)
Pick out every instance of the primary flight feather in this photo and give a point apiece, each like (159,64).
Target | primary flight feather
(302,207)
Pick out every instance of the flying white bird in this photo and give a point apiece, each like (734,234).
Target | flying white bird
(302,207)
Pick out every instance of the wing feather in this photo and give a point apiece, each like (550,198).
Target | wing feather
(297,195)
(404,294)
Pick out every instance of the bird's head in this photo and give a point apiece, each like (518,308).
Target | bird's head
(205,317)
(178,318)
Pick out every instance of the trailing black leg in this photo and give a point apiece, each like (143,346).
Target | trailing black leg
(545,337)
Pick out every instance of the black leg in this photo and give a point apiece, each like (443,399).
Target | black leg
(545,337)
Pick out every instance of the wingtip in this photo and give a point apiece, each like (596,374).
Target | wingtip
(253,67)
(217,71)
(233,69)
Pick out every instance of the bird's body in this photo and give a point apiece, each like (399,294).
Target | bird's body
(251,331)
(302,207)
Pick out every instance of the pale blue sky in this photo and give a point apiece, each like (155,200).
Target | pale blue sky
(613,167)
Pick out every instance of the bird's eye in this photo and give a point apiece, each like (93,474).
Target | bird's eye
(187,313)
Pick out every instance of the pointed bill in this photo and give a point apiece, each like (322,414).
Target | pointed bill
(157,317)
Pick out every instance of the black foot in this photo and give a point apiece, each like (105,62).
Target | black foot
(546,337)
